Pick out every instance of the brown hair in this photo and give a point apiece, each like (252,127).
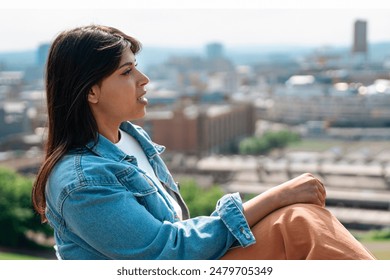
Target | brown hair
(78,59)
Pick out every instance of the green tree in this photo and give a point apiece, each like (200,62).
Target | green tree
(270,140)
(200,201)
(16,213)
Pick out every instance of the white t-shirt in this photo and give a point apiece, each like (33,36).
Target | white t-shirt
(130,146)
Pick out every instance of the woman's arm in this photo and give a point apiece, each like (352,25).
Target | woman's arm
(302,189)
(110,220)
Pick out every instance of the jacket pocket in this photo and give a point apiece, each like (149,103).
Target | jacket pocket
(137,183)
(146,193)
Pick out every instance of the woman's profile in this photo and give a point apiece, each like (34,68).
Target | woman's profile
(107,193)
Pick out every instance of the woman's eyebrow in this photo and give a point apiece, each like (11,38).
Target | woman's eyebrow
(125,64)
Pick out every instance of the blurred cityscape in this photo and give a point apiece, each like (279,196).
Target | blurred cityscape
(202,103)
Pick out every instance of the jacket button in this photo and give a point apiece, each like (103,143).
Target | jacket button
(247,236)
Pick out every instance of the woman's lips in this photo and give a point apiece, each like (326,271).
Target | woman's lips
(143,100)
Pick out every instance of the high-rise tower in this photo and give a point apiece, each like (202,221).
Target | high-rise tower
(214,51)
(360,37)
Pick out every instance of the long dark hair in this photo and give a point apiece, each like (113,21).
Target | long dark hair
(78,59)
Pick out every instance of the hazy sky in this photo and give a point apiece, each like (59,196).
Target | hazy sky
(26,25)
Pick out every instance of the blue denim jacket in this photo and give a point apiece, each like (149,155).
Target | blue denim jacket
(102,206)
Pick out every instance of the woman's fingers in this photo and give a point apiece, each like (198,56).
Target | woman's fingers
(305,188)
(321,191)
(319,188)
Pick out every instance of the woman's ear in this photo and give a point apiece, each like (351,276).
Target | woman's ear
(93,95)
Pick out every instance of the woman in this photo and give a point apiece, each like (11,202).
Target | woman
(108,195)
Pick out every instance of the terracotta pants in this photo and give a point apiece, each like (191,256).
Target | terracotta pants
(299,232)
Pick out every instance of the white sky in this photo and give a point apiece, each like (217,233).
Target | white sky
(25,24)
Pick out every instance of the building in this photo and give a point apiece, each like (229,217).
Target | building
(14,118)
(214,51)
(216,60)
(11,83)
(200,129)
(42,53)
(360,45)
(360,37)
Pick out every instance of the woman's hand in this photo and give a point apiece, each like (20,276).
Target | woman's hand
(302,189)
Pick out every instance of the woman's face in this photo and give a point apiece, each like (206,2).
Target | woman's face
(120,96)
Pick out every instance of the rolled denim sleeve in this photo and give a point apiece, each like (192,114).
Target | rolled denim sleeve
(230,210)
(114,225)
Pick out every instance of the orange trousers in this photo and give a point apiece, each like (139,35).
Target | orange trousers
(301,232)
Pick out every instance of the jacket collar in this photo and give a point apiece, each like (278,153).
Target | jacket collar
(105,148)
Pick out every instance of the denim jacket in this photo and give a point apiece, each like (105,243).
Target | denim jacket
(102,206)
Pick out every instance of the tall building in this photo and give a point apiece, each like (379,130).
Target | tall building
(216,60)
(360,37)
(43,51)
(214,51)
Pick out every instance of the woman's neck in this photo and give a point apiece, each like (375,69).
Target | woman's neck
(111,132)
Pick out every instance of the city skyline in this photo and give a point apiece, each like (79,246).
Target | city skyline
(183,28)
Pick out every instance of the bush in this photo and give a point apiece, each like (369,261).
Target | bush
(16,213)
(269,141)
(200,201)
(383,234)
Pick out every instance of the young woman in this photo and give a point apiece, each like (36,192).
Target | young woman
(108,195)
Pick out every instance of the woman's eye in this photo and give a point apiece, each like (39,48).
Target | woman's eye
(127,72)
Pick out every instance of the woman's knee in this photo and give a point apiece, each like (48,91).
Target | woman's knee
(301,213)
(302,220)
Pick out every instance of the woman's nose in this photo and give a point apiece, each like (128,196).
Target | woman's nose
(144,80)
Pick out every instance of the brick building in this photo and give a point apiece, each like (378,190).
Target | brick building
(200,129)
